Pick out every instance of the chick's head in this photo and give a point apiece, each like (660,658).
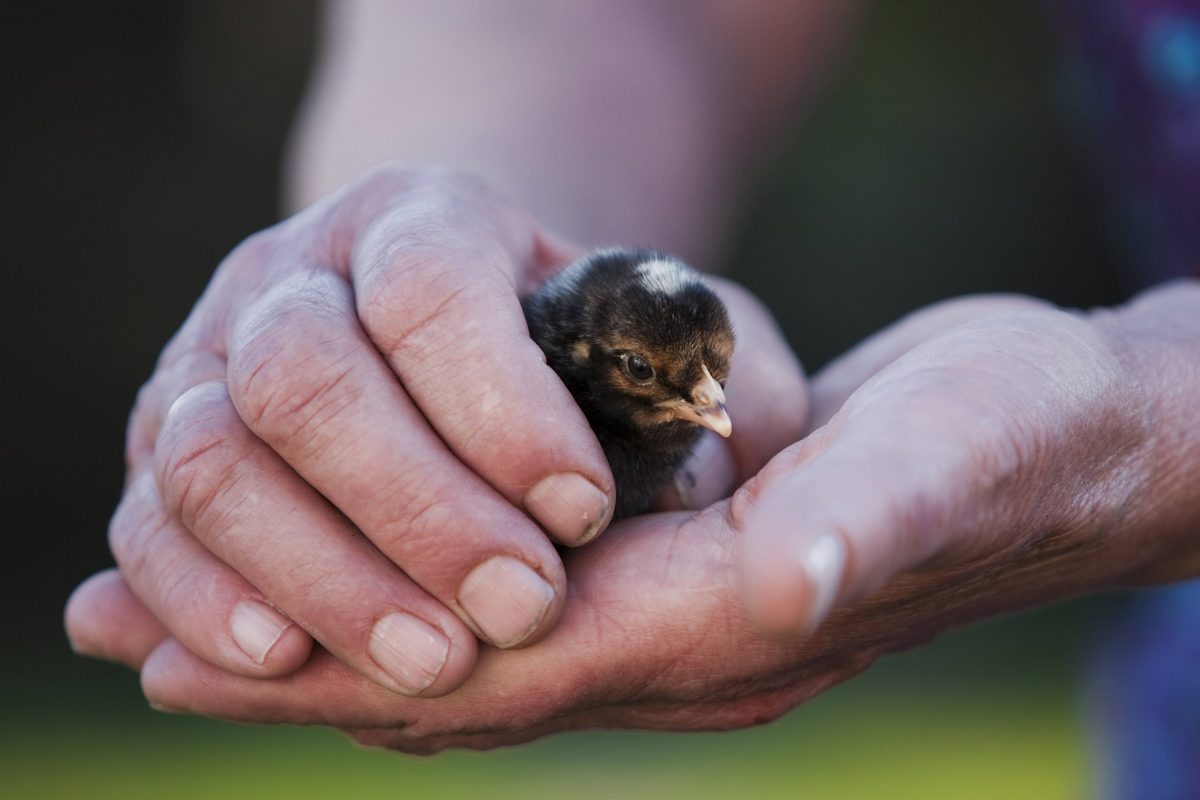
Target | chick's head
(661,348)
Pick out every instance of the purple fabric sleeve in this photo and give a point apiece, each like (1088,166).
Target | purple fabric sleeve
(1132,70)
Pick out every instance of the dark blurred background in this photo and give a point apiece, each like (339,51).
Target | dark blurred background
(142,140)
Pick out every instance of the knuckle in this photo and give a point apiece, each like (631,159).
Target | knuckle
(252,253)
(425,511)
(419,299)
(184,585)
(136,520)
(198,453)
(293,367)
(428,192)
(188,367)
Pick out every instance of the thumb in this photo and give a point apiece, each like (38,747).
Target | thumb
(839,515)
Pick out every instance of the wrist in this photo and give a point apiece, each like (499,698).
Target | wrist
(1156,340)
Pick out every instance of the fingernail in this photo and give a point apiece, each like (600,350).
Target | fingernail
(506,599)
(708,475)
(413,652)
(823,564)
(256,628)
(569,506)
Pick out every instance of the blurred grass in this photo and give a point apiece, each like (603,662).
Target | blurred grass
(985,713)
(839,746)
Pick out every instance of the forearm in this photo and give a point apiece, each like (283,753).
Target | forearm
(1157,337)
(611,121)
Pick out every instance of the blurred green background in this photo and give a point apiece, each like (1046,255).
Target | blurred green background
(142,142)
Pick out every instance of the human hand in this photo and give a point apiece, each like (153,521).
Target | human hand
(650,637)
(766,392)
(305,379)
(997,452)
(352,437)
(655,633)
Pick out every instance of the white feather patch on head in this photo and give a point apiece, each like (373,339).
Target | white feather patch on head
(664,276)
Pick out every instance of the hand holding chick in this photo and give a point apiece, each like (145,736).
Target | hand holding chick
(402,422)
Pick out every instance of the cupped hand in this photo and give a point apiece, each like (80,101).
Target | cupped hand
(652,636)
(353,438)
(977,457)
(668,580)
(347,429)
(996,451)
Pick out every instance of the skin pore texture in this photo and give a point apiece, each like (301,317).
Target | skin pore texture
(979,456)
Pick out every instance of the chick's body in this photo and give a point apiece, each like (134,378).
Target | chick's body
(644,346)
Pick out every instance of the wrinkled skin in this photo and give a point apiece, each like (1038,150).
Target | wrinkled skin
(980,456)
(351,420)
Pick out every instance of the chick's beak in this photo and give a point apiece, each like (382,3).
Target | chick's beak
(707,407)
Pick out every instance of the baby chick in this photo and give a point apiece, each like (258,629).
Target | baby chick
(645,348)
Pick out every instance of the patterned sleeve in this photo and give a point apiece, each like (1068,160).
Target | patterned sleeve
(1133,73)
(1132,70)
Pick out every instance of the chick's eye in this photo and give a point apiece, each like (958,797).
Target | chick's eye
(638,368)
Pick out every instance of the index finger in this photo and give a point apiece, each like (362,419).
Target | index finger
(436,287)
